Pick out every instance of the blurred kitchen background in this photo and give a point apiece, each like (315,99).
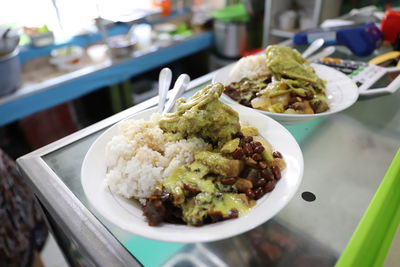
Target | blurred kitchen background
(66,64)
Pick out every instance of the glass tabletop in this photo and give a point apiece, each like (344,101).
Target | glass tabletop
(345,158)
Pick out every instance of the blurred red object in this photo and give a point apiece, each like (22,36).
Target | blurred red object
(390,25)
(48,125)
(165,6)
(252,52)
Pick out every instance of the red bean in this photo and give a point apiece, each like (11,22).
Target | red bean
(258,192)
(256,143)
(256,157)
(191,190)
(260,182)
(248,139)
(276,171)
(277,154)
(238,153)
(228,181)
(262,164)
(269,186)
(259,149)
(267,174)
(249,193)
(247,149)
(234,94)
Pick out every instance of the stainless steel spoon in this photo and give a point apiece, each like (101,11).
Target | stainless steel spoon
(324,53)
(164,82)
(179,87)
(314,46)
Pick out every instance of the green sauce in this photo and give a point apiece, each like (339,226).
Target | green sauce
(204,116)
(195,187)
(210,199)
(195,209)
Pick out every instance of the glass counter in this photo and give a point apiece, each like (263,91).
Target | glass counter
(346,156)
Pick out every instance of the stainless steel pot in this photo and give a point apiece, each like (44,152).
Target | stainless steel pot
(121,45)
(10,73)
(230,38)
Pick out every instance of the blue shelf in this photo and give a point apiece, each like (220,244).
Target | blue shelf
(43,98)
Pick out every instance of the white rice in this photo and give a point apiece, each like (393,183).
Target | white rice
(141,155)
(249,67)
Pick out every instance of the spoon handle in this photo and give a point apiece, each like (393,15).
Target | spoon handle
(179,87)
(164,82)
(324,53)
(314,46)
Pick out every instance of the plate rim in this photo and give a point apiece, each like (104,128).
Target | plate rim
(205,238)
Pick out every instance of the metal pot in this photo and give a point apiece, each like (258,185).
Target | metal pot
(121,45)
(230,38)
(10,73)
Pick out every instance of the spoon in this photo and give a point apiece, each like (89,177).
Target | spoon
(324,53)
(164,81)
(314,46)
(179,87)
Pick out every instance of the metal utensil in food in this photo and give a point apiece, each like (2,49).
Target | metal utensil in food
(164,82)
(179,87)
(314,46)
(324,53)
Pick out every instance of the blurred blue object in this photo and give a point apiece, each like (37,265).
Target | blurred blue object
(361,39)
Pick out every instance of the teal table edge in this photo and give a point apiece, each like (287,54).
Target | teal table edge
(28,104)
(144,250)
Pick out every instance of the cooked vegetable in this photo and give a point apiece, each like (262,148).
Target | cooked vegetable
(286,61)
(249,131)
(231,145)
(219,164)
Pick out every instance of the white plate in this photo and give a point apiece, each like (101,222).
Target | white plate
(341,93)
(128,214)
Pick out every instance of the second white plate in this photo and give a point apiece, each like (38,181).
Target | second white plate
(341,93)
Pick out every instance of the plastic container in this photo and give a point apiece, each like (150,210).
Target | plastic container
(42,39)
(230,31)
(10,73)
(66,58)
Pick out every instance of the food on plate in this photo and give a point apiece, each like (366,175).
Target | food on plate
(142,155)
(203,115)
(249,66)
(279,81)
(196,165)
